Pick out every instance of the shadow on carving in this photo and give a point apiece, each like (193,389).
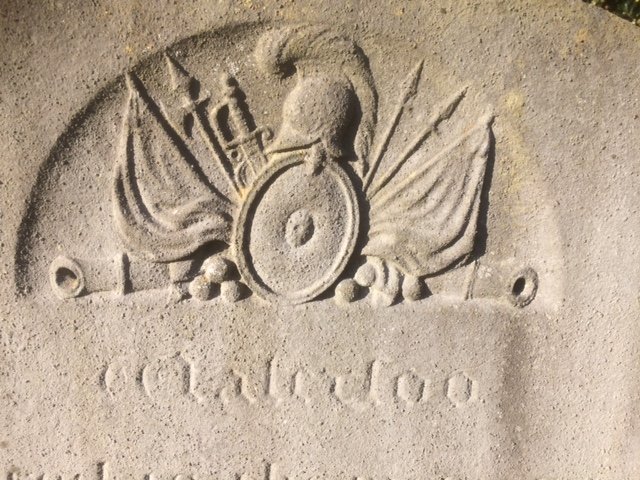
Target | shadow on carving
(26,235)
(292,216)
(480,246)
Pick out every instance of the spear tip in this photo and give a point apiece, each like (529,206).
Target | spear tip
(410,84)
(180,78)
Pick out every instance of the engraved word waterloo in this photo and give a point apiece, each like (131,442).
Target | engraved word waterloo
(315,208)
(377,383)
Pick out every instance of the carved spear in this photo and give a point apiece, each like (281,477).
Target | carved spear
(443,111)
(409,90)
(182,82)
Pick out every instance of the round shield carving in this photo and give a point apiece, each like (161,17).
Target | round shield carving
(297,229)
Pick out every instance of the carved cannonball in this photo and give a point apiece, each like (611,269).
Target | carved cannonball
(217,269)
(412,288)
(380,298)
(232,291)
(347,291)
(366,275)
(201,289)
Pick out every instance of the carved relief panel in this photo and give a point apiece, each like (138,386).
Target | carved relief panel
(326,200)
(276,250)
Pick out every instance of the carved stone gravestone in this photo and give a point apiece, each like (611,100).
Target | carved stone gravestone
(385,240)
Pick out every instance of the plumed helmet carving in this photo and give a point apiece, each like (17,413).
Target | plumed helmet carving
(336,109)
(318,109)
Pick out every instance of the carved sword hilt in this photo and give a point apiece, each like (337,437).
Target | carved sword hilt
(241,140)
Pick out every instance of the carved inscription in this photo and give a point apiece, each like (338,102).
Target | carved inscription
(264,470)
(371,385)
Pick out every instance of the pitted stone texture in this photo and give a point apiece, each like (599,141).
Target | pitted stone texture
(498,340)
